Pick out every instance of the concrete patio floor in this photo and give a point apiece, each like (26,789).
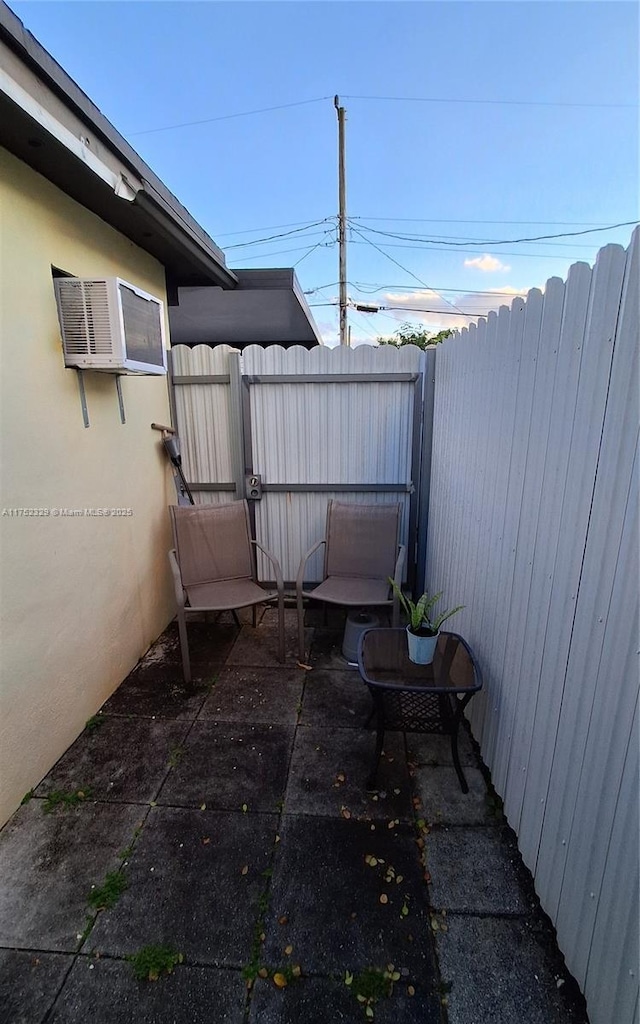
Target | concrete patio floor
(238,820)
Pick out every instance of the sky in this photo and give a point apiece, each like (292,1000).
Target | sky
(468,124)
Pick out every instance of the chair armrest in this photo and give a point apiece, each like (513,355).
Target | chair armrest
(275,563)
(305,559)
(397,575)
(177,579)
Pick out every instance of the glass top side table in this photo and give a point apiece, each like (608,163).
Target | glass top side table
(417,698)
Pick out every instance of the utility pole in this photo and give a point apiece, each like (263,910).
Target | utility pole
(342,223)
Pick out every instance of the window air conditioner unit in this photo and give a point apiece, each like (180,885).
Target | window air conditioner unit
(110,326)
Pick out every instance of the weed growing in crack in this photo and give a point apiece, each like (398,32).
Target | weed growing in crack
(94,723)
(107,895)
(175,755)
(255,968)
(58,798)
(152,961)
(371,985)
(128,850)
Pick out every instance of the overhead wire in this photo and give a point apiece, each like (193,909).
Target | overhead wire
(279,252)
(494,241)
(283,234)
(370,289)
(273,227)
(507,103)
(313,248)
(228,117)
(406,271)
(474,252)
(453,220)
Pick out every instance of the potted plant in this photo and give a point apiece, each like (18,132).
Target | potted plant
(423,629)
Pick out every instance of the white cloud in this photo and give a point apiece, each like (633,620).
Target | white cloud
(413,306)
(488,264)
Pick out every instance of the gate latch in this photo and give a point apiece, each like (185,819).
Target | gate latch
(253,486)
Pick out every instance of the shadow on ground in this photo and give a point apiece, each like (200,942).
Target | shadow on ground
(226,834)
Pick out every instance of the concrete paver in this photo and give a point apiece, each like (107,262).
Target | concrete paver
(231,765)
(332,898)
(335,698)
(443,801)
(473,871)
(29,982)
(324,1000)
(49,863)
(498,972)
(187,888)
(329,770)
(107,759)
(267,694)
(237,814)
(106,990)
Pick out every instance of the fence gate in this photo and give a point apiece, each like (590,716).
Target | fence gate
(290,428)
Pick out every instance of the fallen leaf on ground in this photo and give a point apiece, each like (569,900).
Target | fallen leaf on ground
(245,870)
(345,812)
(280,980)
(206,841)
(303,665)
(283,919)
(288,950)
(384,898)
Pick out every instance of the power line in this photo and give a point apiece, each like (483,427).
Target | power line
(284,234)
(272,227)
(412,309)
(410,272)
(495,241)
(227,117)
(370,289)
(474,252)
(509,103)
(280,252)
(438,312)
(453,220)
(308,253)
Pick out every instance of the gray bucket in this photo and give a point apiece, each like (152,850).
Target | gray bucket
(356,624)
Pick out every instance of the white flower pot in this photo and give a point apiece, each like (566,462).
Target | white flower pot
(421,648)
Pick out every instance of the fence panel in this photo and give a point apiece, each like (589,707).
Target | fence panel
(534,527)
(318,424)
(202,415)
(310,438)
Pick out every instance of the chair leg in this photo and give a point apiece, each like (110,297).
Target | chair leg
(300,607)
(184,647)
(236,619)
(281,626)
(254,612)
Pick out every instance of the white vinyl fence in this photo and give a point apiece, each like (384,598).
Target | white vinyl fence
(534,528)
(319,424)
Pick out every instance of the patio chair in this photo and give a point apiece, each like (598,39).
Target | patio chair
(214,567)
(361,553)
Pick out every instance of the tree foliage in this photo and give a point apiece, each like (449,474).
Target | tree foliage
(410,334)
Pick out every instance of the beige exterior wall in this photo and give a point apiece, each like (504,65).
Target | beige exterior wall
(81,598)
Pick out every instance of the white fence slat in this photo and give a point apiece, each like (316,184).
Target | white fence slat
(534,522)
(519,663)
(611,986)
(604,303)
(541,629)
(203,420)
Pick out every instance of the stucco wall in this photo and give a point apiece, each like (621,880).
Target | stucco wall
(81,598)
